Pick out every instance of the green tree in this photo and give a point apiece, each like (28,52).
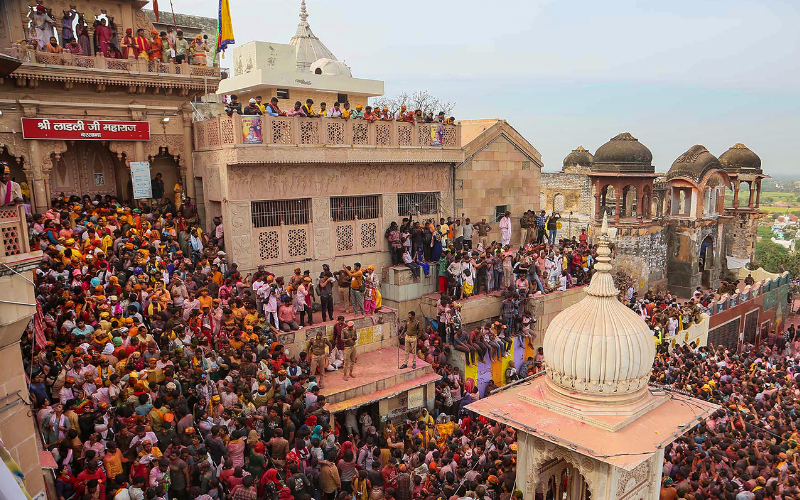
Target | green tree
(776,258)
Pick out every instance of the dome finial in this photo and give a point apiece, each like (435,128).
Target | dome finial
(303,12)
(602,284)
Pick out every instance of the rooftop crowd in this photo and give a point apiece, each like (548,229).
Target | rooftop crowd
(71,35)
(342,110)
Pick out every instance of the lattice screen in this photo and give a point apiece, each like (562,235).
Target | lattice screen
(383,134)
(335,132)
(369,235)
(298,242)
(281,131)
(360,133)
(404,135)
(11,241)
(344,238)
(309,132)
(269,245)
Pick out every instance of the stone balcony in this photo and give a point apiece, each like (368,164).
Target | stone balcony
(136,74)
(320,140)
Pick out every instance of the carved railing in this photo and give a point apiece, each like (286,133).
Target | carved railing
(14,231)
(269,130)
(33,57)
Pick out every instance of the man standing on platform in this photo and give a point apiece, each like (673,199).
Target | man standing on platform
(349,336)
(412,332)
(316,350)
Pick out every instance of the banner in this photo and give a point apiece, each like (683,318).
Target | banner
(437,133)
(140,178)
(39,340)
(251,130)
(84,130)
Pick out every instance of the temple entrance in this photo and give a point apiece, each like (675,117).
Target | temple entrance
(706,260)
(560,480)
(86,168)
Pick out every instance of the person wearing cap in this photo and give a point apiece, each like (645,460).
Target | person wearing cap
(316,349)
(252,108)
(349,338)
(10,191)
(411,331)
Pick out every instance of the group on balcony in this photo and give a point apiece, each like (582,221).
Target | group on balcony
(255,106)
(164,46)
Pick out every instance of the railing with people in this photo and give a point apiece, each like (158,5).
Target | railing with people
(14,231)
(302,131)
(98,61)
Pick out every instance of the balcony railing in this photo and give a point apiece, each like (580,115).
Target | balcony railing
(14,230)
(98,62)
(247,130)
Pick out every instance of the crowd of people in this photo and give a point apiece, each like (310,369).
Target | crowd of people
(469,263)
(748,449)
(342,110)
(159,46)
(159,375)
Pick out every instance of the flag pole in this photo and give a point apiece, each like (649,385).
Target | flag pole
(172,8)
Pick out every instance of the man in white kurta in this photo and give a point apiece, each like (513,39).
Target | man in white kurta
(505,229)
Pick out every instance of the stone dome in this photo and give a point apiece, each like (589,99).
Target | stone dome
(623,153)
(598,349)
(579,157)
(739,158)
(330,67)
(693,164)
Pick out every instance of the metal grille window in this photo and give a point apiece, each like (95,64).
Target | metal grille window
(346,208)
(276,212)
(500,212)
(418,203)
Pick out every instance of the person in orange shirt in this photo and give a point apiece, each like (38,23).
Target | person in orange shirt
(205,299)
(155,47)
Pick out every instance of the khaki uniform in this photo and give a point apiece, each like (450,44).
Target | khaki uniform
(349,336)
(318,358)
(412,332)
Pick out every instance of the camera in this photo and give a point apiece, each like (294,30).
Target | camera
(205,37)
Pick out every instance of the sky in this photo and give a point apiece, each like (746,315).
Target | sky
(574,72)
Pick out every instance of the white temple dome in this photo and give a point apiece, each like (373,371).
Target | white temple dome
(599,348)
(330,67)
(308,47)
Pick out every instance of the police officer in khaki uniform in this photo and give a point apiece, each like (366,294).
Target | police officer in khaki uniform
(412,332)
(349,337)
(316,351)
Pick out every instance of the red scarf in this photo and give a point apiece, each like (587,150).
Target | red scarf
(142,45)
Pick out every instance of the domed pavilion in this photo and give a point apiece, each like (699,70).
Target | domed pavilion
(591,426)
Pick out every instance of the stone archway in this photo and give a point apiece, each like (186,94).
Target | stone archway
(84,168)
(554,461)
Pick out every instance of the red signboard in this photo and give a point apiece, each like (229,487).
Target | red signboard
(84,130)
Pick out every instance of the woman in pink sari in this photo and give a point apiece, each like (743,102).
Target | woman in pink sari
(104,34)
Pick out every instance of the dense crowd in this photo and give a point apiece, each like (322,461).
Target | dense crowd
(159,375)
(748,449)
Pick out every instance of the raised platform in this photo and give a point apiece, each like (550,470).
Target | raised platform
(374,371)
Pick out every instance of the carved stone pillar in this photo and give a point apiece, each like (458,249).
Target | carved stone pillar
(323,234)
(138,151)
(187,154)
(238,239)
(38,188)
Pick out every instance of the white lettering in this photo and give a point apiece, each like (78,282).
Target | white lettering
(94,126)
(44,124)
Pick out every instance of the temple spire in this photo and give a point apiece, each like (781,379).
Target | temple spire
(303,11)
(602,284)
